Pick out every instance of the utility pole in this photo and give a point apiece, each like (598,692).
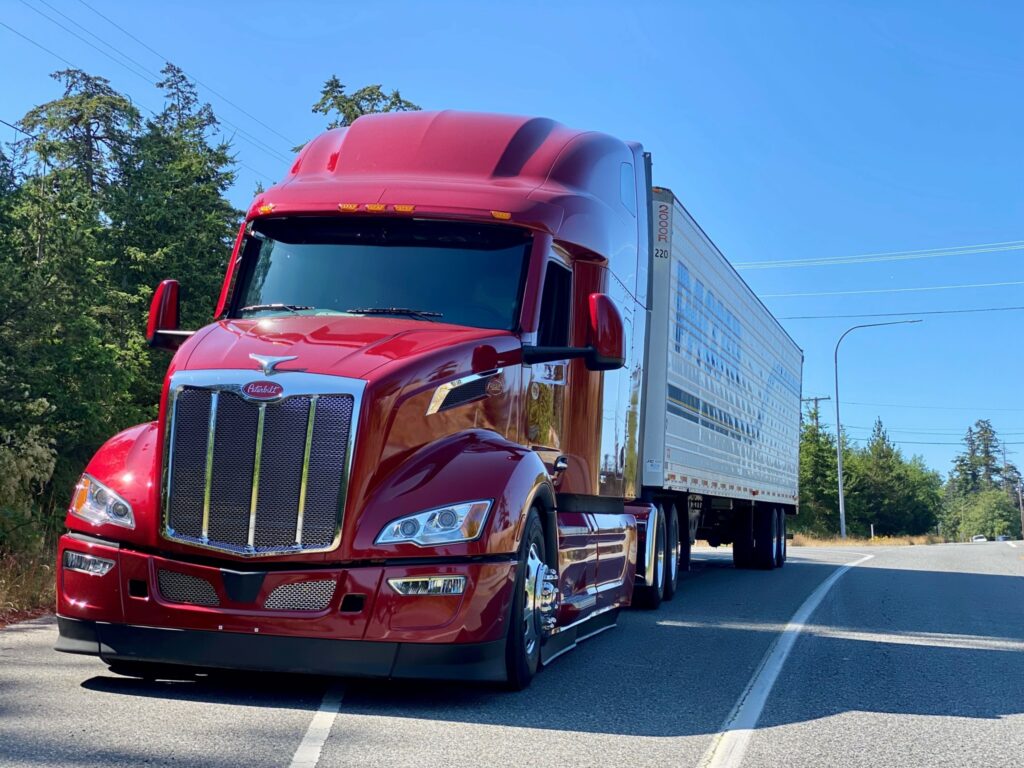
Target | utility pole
(814,400)
(839,424)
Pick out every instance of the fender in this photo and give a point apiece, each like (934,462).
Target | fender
(467,466)
(128,464)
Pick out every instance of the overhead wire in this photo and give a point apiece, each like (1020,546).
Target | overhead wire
(242,133)
(219,95)
(131,99)
(869,258)
(901,314)
(891,290)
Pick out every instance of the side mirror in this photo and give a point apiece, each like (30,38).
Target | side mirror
(163,329)
(605,349)
(607,345)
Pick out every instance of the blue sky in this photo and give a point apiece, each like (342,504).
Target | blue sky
(790,130)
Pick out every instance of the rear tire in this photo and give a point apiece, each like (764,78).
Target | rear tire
(650,596)
(780,540)
(524,637)
(673,552)
(766,525)
(743,539)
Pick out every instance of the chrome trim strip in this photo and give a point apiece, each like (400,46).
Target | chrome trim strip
(304,482)
(209,466)
(442,391)
(651,541)
(586,618)
(256,475)
(293,383)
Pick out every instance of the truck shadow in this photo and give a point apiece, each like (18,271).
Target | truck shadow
(885,640)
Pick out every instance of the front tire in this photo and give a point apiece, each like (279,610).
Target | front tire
(650,596)
(522,647)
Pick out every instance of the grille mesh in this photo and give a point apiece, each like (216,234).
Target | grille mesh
(301,596)
(285,428)
(186,588)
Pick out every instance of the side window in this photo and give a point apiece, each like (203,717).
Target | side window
(555,307)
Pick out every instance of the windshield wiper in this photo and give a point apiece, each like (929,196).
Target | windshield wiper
(285,307)
(417,313)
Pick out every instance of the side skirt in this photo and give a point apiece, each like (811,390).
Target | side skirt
(567,638)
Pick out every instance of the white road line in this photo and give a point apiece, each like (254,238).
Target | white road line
(1011,544)
(730,743)
(308,753)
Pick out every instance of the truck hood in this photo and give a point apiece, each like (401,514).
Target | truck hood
(333,345)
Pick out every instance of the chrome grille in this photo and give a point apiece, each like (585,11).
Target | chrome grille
(184,588)
(301,596)
(256,477)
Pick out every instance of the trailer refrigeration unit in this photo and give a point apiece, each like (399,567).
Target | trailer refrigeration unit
(472,386)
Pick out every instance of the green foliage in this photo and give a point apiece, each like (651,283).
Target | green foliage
(898,496)
(983,492)
(343,108)
(92,215)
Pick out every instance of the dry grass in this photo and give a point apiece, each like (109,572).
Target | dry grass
(26,585)
(805,540)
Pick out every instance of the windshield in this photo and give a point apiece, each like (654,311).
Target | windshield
(451,272)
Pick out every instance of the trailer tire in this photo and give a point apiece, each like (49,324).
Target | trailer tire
(649,596)
(743,539)
(766,527)
(673,554)
(780,538)
(524,637)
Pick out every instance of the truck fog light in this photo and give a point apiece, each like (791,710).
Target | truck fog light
(429,585)
(83,563)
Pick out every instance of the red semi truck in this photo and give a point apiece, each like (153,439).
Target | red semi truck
(473,385)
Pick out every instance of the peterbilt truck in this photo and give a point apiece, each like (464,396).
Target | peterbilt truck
(472,386)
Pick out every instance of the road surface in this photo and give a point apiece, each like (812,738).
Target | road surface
(914,657)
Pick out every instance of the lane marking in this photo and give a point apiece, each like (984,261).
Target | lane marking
(1011,544)
(731,742)
(926,639)
(308,753)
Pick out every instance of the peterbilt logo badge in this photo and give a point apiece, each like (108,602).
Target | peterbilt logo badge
(262,390)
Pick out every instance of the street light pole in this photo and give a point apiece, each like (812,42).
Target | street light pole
(839,424)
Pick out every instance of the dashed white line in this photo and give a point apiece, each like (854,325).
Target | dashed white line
(308,753)
(730,744)
(1011,544)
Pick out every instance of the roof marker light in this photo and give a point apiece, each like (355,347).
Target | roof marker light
(346,207)
(266,208)
(405,208)
(376,207)
(502,215)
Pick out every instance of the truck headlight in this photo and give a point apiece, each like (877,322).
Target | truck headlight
(97,504)
(444,525)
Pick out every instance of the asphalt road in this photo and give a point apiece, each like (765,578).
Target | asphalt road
(914,657)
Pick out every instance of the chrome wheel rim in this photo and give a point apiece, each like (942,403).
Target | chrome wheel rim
(659,565)
(673,555)
(533,585)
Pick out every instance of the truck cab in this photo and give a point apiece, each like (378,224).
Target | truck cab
(407,445)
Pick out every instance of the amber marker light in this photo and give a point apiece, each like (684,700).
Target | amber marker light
(501,215)
(405,208)
(348,207)
(376,207)
(265,209)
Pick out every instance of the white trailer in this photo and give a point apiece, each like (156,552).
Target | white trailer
(721,422)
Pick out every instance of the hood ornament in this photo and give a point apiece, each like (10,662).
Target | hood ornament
(269,364)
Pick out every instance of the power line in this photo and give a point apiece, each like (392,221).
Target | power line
(135,102)
(979,408)
(927,432)
(901,314)
(919,442)
(890,290)
(194,78)
(867,258)
(243,134)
